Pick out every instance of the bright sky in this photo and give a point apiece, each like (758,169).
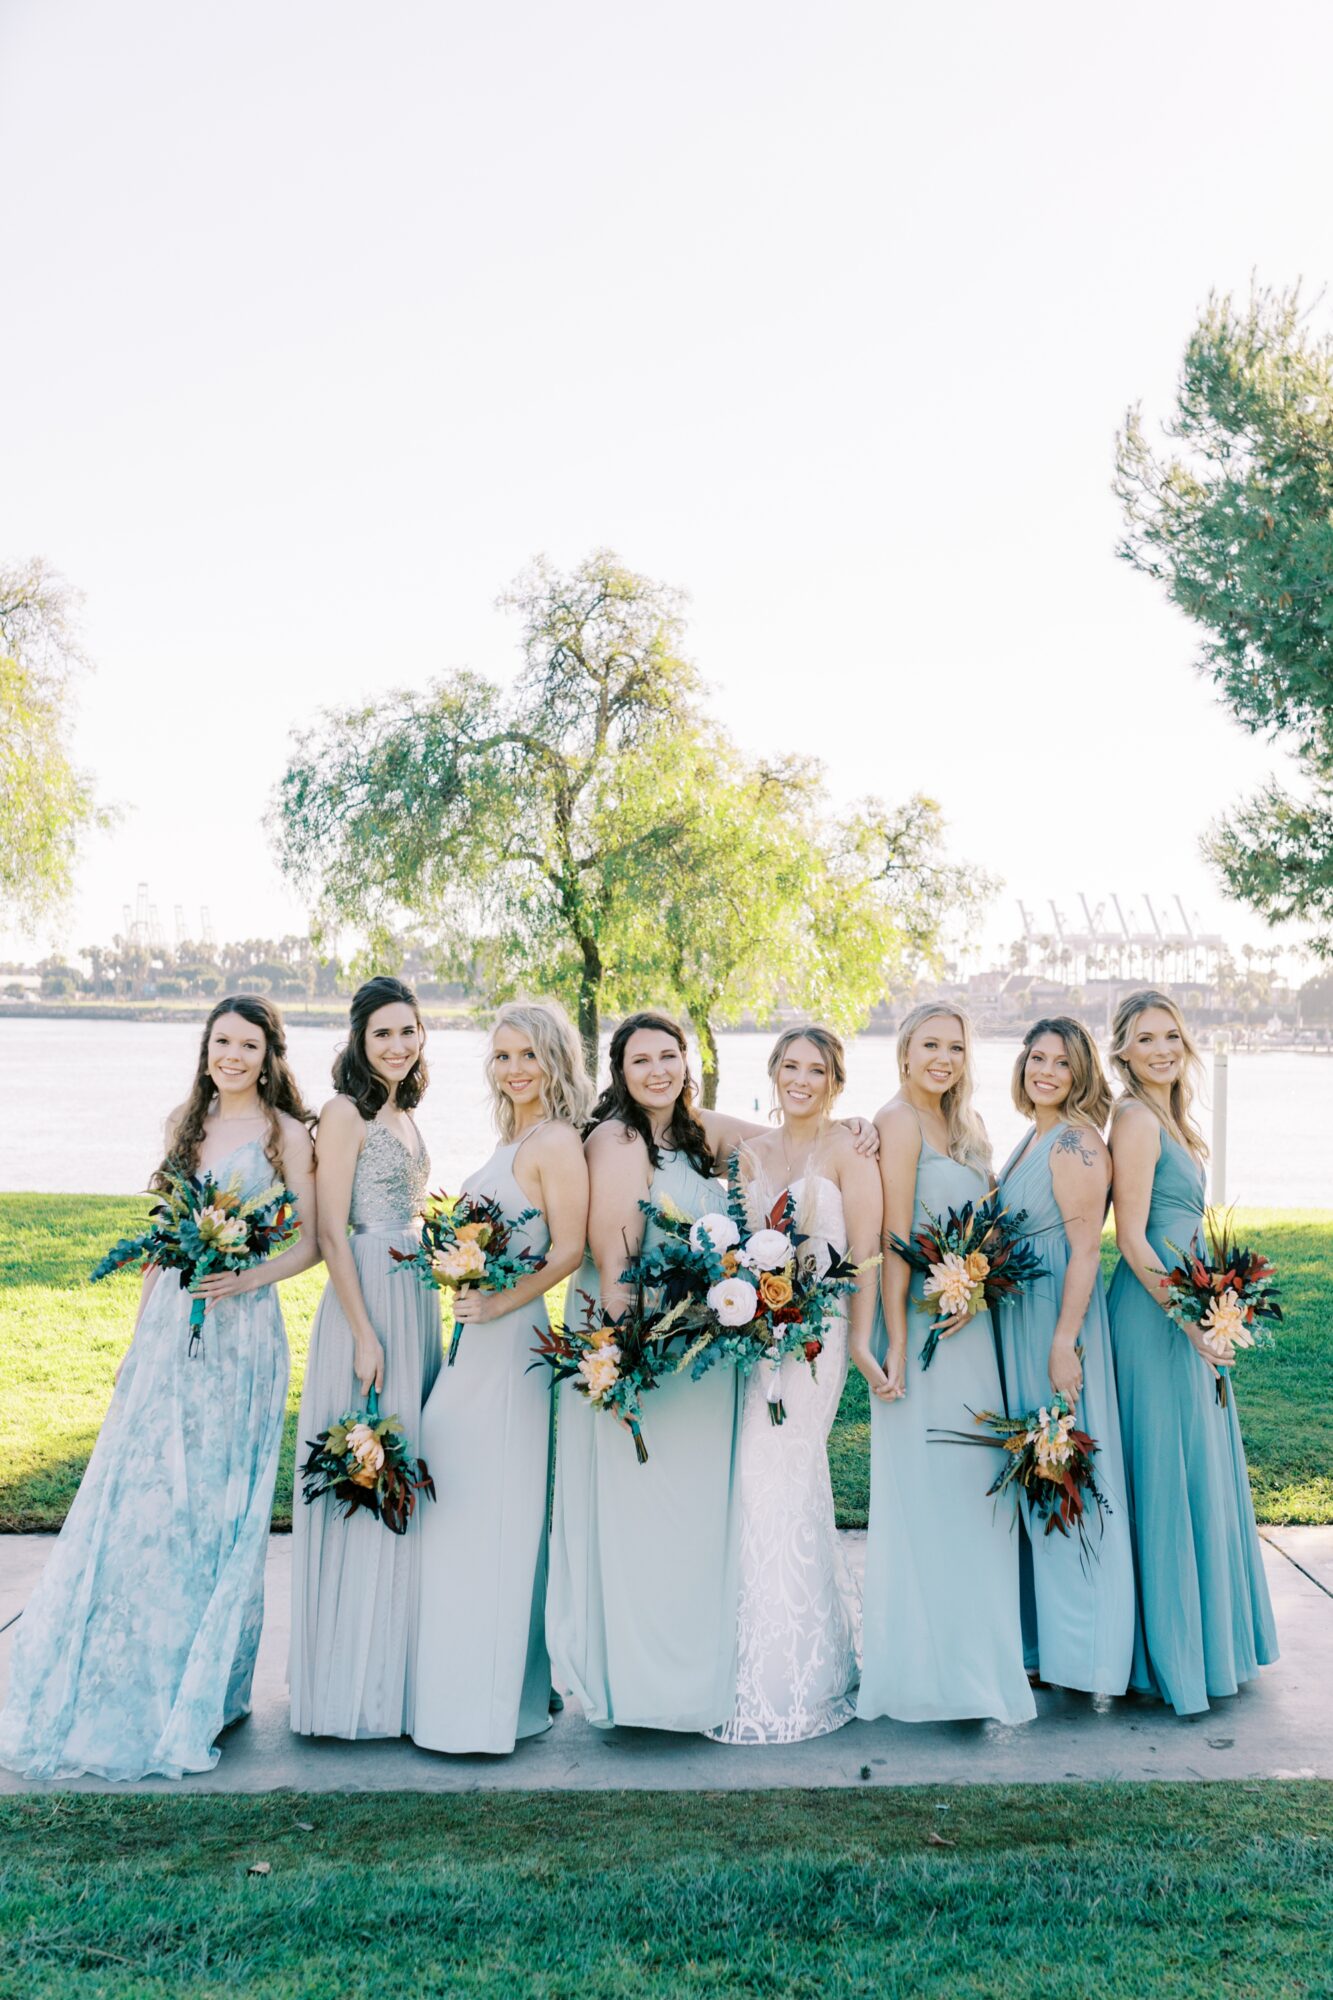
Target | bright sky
(321,319)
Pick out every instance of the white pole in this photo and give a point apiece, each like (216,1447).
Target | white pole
(1221,1052)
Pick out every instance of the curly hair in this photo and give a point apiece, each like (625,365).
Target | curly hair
(278,1090)
(352,1075)
(684,1133)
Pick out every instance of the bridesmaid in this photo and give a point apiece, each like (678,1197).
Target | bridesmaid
(942,1630)
(354,1585)
(138,1646)
(641,1613)
(1054,1338)
(482,1678)
(1205,1622)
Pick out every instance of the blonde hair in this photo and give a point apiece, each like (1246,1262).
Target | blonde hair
(566,1091)
(830,1048)
(1178,1118)
(967,1135)
(1089,1099)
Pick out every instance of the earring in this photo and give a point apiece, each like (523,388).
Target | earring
(263,1078)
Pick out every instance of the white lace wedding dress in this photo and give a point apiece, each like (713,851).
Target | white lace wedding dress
(799,1613)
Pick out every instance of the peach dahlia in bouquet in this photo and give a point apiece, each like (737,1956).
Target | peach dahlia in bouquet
(1230,1294)
(364,1462)
(971,1257)
(1049,1463)
(466,1240)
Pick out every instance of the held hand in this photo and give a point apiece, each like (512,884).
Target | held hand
(887,1386)
(222,1285)
(368,1363)
(1210,1356)
(473,1307)
(866,1136)
(1065,1369)
(944,1327)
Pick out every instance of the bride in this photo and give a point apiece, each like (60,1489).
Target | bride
(797,1671)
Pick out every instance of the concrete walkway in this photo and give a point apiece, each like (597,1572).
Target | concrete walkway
(1280,1726)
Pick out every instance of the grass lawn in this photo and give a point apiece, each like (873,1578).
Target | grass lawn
(60,1340)
(1184,1892)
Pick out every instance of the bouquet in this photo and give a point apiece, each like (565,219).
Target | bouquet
(613,1360)
(973,1257)
(1049,1462)
(199,1227)
(741,1294)
(1227,1295)
(466,1241)
(363,1461)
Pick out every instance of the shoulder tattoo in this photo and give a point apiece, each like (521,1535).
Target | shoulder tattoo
(1071,1140)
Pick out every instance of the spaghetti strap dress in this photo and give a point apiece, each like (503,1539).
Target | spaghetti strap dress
(942,1634)
(1205,1623)
(1082,1604)
(482,1679)
(641,1615)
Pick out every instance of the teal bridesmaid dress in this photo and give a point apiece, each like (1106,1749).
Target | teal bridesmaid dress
(643,1603)
(481,1678)
(138,1645)
(942,1632)
(1205,1622)
(1083,1605)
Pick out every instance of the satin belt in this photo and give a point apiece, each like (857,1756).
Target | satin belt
(412,1227)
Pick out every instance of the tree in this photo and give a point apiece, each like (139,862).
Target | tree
(45,802)
(491,817)
(1235,519)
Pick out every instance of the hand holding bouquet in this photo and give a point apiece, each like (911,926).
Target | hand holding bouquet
(467,1241)
(612,1359)
(970,1258)
(1224,1297)
(199,1227)
(363,1461)
(1049,1463)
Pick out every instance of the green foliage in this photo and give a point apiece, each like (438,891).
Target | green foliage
(45,803)
(1285,1395)
(61,1338)
(1235,519)
(490,818)
(1106,1892)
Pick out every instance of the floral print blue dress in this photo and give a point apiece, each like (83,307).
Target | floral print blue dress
(138,1645)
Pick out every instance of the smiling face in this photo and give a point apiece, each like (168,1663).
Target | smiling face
(1047,1076)
(515,1066)
(1155,1048)
(654,1069)
(936,1055)
(802,1082)
(236,1052)
(394,1040)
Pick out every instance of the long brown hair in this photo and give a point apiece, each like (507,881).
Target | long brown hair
(277,1087)
(1089,1099)
(352,1075)
(684,1134)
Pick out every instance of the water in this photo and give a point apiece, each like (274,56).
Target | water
(82,1104)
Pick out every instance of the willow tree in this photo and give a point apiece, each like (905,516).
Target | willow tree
(769,900)
(46,802)
(491,820)
(1233,516)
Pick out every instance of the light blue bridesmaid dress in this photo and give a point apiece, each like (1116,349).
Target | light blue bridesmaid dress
(481,1677)
(138,1645)
(942,1633)
(1083,1605)
(1205,1622)
(642,1608)
(354,1585)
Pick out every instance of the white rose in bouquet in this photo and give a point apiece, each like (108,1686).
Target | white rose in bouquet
(735,1301)
(767,1250)
(720,1230)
